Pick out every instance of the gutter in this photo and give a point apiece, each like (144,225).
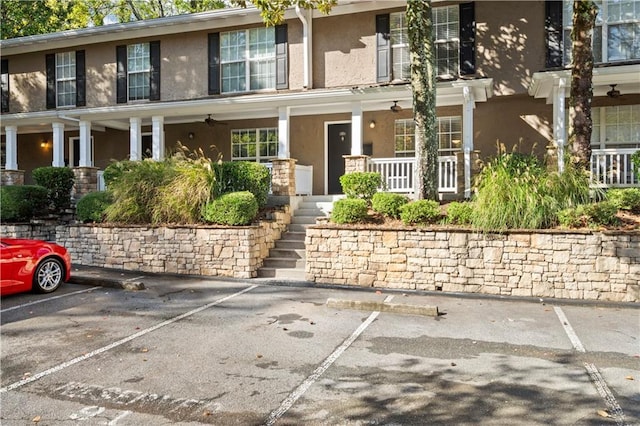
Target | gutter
(307,43)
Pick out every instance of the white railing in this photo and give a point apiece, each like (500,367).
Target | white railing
(303,176)
(398,174)
(101,185)
(613,168)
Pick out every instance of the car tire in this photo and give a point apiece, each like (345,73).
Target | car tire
(48,276)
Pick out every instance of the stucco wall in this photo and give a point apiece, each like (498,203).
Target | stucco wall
(576,265)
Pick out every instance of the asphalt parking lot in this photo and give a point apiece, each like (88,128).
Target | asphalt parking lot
(193,351)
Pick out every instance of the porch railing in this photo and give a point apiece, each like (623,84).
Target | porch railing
(613,168)
(398,174)
(304,178)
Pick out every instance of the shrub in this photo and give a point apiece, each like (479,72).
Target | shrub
(389,203)
(92,207)
(59,182)
(420,212)
(349,210)
(635,159)
(459,213)
(360,185)
(237,176)
(19,203)
(134,186)
(234,208)
(602,213)
(625,199)
(574,217)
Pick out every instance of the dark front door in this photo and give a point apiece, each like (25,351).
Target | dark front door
(339,139)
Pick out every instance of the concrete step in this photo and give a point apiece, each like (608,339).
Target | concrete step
(287,253)
(284,274)
(296,234)
(283,262)
(309,212)
(290,245)
(324,207)
(308,220)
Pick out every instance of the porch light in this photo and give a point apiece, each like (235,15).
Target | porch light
(44,144)
(372,124)
(191,135)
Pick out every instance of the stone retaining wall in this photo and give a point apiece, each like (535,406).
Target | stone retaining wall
(575,265)
(191,250)
(34,231)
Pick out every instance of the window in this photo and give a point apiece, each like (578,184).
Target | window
(446,25)
(66,79)
(616,126)
(138,71)
(616,33)
(248,60)
(449,136)
(260,145)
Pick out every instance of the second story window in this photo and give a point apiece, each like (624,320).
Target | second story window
(4,87)
(248,59)
(454,32)
(259,145)
(617,31)
(65,79)
(138,72)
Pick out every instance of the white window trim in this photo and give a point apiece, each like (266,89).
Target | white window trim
(72,141)
(147,70)
(446,151)
(71,56)
(248,60)
(258,158)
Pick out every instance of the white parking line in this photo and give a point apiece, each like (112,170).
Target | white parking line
(598,381)
(302,388)
(120,342)
(35,302)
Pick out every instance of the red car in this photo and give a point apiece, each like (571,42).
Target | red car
(36,265)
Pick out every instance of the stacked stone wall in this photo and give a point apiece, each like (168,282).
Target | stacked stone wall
(191,250)
(573,265)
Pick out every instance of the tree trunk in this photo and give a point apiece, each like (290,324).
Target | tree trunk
(423,83)
(580,123)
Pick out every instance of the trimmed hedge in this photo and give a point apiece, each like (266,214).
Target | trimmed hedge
(234,208)
(92,207)
(389,203)
(238,176)
(349,210)
(21,203)
(59,183)
(420,212)
(625,199)
(360,185)
(460,213)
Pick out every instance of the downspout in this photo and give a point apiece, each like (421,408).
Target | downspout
(307,43)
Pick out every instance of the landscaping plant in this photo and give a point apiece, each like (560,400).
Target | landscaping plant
(59,183)
(420,212)
(625,199)
(20,203)
(236,176)
(361,185)
(92,207)
(234,208)
(388,203)
(349,210)
(460,213)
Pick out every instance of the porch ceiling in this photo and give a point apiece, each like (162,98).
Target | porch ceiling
(625,77)
(250,106)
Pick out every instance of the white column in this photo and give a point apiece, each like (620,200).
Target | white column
(135,138)
(11,133)
(559,125)
(284,145)
(157,132)
(356,129)
(85,144)
(58,145)
(467,137)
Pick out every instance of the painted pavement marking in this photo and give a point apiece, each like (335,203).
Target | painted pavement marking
(48,299)
(141,333)
(288,402)
(594,374)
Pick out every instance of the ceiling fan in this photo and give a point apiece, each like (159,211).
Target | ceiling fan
(212,122)
(395,107)
(614,93)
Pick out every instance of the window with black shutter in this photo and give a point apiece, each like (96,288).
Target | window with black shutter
(4,85)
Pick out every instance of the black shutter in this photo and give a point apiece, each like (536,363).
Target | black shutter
(121,76)
(81,79)
(282,52)
(5,85)
(50,60)
(467,39)
(214,63)
(383,48)
(553,33)
(154,83)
